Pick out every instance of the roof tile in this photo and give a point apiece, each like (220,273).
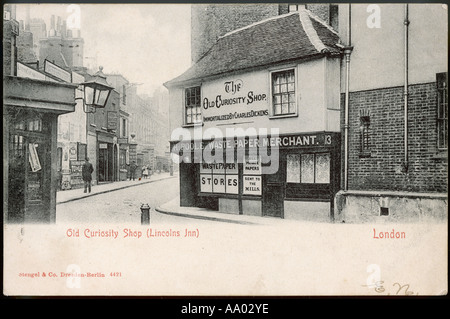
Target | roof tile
(267,42)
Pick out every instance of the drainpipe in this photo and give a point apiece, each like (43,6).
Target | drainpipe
(405,90)
(347,51)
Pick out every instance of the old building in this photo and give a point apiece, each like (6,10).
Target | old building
(395,113)
(30,121)
(255,120)
(103,146)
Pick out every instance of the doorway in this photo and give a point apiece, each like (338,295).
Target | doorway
(29,177)
(105,162)
(273,200)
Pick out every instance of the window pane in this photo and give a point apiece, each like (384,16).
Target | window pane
(291,78)
(276,89)
(292,107)
(88,95)
(291,87)
(278,109)
(323,168)
(283,95)
(277,99)
(307,168)
(293,168)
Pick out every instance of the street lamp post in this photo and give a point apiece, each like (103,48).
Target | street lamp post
(96,92)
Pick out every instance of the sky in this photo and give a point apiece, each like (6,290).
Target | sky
(149,44)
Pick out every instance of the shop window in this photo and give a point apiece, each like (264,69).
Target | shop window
(283,93)
(33,124)
(364,136)
(219,178)
(193,111)
(442,111)
(308,168)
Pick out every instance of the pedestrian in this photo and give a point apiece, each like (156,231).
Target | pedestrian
(86,174)
(132,170)
(145,171)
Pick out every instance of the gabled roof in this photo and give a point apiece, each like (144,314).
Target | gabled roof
(278,39)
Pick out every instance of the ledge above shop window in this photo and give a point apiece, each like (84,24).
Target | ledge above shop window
(193,124)
(273,117)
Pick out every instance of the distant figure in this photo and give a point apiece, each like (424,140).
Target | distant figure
(86,173)
(145,171)
(132,170)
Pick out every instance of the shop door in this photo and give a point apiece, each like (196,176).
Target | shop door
(273,200)
(29,178)
(103,164)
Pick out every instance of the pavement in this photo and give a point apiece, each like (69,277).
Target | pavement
(173,208)
(76,194)
(169,208)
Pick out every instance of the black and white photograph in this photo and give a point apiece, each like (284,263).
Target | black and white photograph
(225,149)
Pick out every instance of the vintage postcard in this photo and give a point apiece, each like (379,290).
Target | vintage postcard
(254,149)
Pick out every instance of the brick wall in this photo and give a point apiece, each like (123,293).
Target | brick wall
(209,21)
(383,169)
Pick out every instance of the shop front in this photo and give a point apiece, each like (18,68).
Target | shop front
(263,175)
(31,110)
(256,128)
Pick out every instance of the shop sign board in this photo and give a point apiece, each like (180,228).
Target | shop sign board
(219,178)
(25,71)
(235,98)
(252,176)
(292,140)
(57,72)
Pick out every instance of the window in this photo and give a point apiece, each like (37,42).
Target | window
(334,16)
(308,168)
(33,124)
(123,128)
(193,111)
(364,135)
(122,159)
(442,112)
(283,93)
(124,94)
